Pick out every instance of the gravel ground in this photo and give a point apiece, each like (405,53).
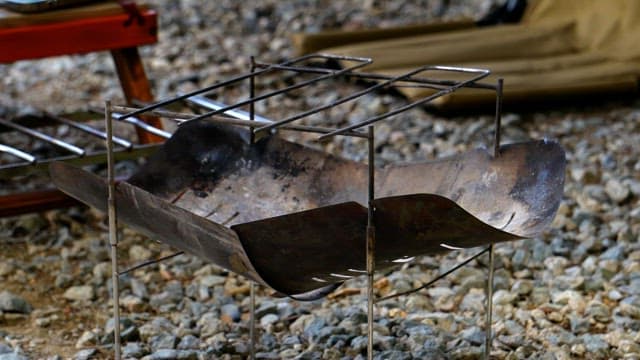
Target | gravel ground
(573,293)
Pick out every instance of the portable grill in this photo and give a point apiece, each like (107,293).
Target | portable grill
(227,188)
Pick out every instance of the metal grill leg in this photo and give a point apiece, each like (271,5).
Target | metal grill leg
(489,313)
(496,153)
(113,232)
(252,321)
(370,247)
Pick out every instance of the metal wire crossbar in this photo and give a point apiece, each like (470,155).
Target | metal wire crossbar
(24,161)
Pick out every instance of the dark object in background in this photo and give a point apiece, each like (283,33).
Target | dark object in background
(33,6)
(509,13)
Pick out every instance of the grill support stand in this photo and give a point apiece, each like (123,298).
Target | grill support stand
(371,243)
(252,318)
(113,231)
(370,228)
(496,153)
(252,321)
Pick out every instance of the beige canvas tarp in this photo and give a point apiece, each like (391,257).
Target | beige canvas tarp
(560,49)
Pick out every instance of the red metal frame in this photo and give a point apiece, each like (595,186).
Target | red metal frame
(77,36)
(119,33)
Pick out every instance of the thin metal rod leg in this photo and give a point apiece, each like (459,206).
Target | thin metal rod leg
(252,94)
(370,300)
(489,313)
(113,231)
(497,131)
(370,247)
(252,321)
(496,152)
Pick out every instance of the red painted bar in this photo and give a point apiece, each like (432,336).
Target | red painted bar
(77,36)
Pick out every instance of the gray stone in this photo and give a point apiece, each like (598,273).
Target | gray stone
(128,331)
(393,355)
(477,281)
(212,280)
(474,335)
(5,349)
(359,343)
(171,354)
(197,308)
(325,333)
(13,356)
(598,311)
(88,338)
(418,334)
(80,293)
(312,330)
(139,253)
(132,303)
(63,280)
(522,286)
(539,295)
(288,354)
(266,307)
(558,336)
(11,303)
(6,268)
(578,324)
(628,310)
(513,328)
(125,322)
(297,327)
(595,344)
(189,342)
(267,355)
(209,325)
(564,282)
(556,264)
(133,350)
(572,298)
(540,252)
(471,352)
(629,347)
(613,253)
(520,259)
(290,340)
(165,298)
(503,297)
(268,341)
(512,341)
(85,354)
(158,325)
(139,289)
(617,191)
(268,320)
(102,271)
(594,283)
(231,311)
(609,268)
(473,301)
(285,309)
(163,341)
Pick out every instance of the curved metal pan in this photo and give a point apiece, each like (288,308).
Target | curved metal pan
(298,216)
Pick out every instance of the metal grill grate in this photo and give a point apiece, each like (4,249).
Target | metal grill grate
(238,106)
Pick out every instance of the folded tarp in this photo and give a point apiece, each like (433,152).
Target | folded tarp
(560,50)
